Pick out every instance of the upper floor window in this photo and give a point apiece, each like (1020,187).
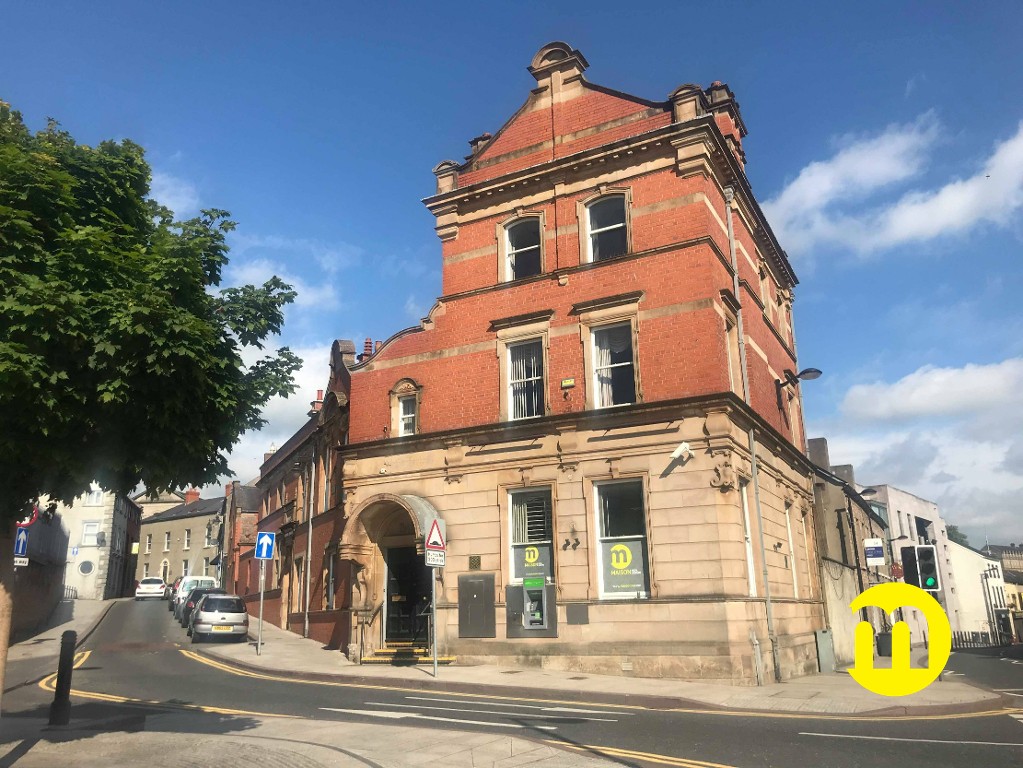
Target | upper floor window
(405,400)
(166,541)
(614,374)
(90,534)
(93,497)
(188,538)
(607,228)
(522,248)
(149,543)
(525,379)
(407,415)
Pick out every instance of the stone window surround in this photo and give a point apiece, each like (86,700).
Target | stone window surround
(590,487)
(582,208)
(503,267)
(405,387)
(591,320)
(514,334)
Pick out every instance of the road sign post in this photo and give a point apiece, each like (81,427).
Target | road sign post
(263,551)
(435,547)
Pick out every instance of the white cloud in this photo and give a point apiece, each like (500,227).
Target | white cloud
(320,296)
(177,194)
(932,392)
(946,434)
(284,416)
(823,205)
(414,309)
(330,257)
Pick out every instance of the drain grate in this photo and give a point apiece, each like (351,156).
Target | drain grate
(577,678)
(510,671)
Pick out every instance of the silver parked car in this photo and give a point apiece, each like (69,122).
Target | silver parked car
(219,615)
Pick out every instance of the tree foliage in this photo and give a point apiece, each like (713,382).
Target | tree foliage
(121,361)
(954,534)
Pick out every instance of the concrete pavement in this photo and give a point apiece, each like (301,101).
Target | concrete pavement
(82,616)
(287,654)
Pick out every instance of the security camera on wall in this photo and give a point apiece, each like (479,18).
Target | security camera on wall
(682,452)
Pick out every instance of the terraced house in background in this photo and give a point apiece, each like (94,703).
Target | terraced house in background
(183,540)
(602,406)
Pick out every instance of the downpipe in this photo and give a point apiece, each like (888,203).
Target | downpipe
(308,503)
(729,197)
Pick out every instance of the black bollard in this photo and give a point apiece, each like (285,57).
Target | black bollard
(60,709)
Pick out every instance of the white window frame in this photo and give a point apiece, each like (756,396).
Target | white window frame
(509,253)
(598,532)
(751,573)
(596,368)
(513,544)
(516,334)
(90,529)
(184,567)
(166,541)
(145,570)
(205,566)
(188,539)
(93,497)
(792,552)
(165,571)
(404,388)
(149,543)
(408,419)
(538,342)
(585,231)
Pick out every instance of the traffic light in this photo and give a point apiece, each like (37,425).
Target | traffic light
(910,573)
(920,567)
(927,568)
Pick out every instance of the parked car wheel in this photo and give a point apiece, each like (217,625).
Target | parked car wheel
(196,637)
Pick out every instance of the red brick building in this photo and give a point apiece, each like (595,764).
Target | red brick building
(597,406)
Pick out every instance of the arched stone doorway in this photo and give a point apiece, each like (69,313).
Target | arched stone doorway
(390,596)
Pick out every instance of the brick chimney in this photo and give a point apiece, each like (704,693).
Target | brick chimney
(192,494)
(367,347)
(315,405)
(269,453)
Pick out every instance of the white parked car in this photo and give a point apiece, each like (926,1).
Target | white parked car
(151,586)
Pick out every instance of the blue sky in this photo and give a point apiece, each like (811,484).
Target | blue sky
(886,145)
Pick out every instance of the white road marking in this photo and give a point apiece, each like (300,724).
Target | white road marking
(523,706)
(478,712)
(920,741)
(417,716)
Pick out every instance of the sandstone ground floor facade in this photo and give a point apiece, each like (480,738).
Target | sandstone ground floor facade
(635,544)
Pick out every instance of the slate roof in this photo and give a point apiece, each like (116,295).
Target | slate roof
(200,508)
(248,498)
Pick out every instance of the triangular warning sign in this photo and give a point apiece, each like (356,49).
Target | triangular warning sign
(435,539)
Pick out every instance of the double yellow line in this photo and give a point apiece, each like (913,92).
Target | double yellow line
(648,757)
(50,684)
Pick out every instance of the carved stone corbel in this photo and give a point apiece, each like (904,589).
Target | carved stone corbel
(724,477)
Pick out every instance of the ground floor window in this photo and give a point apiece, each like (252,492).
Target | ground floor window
(531,537)
(205,566)
(165,571)
(621,530)
(184,567)
(145,570)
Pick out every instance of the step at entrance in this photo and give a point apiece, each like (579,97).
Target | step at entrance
(402,654)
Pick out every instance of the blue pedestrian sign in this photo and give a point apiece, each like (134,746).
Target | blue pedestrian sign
(21,543)
(265,546)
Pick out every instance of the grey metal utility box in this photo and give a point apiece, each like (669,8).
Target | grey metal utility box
(476,613)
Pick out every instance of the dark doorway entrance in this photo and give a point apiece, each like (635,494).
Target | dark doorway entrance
(408,595)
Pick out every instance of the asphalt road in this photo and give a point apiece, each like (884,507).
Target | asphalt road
(141,655)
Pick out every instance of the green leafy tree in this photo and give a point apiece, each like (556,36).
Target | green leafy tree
(954,534)
(120,359)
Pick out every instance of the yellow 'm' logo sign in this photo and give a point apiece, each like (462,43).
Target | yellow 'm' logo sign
(900,680)
(532,555)
(621,556)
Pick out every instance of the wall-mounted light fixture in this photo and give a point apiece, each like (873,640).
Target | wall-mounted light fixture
(791,379)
